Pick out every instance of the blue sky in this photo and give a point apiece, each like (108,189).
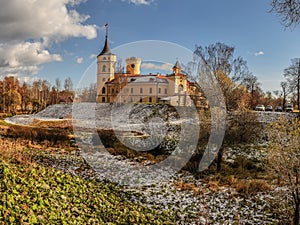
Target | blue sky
(59,39)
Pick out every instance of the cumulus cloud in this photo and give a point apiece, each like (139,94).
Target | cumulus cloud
(259,53)
(28,29)
(79,60)
(152,66)
(50,20)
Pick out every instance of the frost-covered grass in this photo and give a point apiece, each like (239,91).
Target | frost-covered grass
(192,201)
(33,194)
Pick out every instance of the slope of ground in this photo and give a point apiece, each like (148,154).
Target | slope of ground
(33,194)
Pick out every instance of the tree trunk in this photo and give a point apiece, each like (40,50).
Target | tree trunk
(296,213)
(298,91)
(219,159)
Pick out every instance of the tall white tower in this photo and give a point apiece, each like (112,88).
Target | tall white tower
(106,63)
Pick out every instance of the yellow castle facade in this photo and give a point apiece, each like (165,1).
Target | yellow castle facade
(132,86)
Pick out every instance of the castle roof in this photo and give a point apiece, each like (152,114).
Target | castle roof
(142,79)
(106,49)
(177,65)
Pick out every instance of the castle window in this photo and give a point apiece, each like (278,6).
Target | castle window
(141,99)
(166,91)
(180,88)
(150,99)
(103,79)
(103,99)
(141,90)
(113,91)
(150,90)
(104,68)
(131,90)
(159,90)
(103,90)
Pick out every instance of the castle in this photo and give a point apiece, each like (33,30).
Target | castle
(132,86)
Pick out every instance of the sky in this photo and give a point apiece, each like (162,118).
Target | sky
(60,38)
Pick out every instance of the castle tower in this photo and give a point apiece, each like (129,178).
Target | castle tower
(133,66)
(106,62)
(180,79)
(177,68)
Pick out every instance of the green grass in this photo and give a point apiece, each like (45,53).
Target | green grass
(38,195)
(3,123)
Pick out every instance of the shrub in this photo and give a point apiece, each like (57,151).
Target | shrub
(249,187)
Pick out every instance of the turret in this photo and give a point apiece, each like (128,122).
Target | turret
(133,66)
(177,68)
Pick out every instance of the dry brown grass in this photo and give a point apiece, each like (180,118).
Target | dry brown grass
(63,123)
(14,152)
(56,136)
(248,187)
(183,186)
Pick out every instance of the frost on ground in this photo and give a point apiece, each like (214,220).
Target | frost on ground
(194,201)
(200,204)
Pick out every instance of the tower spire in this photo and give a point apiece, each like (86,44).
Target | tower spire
(106,49)
(106,26)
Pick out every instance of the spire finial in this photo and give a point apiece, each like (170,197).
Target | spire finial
(106,49)
(106,26)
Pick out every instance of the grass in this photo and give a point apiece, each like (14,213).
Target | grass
(33,194)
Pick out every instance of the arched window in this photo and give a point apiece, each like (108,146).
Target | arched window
(103,90)
(104,68)
(180,88)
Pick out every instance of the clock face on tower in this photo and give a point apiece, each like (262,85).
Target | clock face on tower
(132,66)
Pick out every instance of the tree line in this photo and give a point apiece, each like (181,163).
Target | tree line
(31,98)
(290,88)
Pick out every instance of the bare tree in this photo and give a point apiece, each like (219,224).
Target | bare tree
(228,71)
(119,66)
(45,92)
(292,74)
(253,86)
(68,84)
(287,10)
(285,92)
(58,84)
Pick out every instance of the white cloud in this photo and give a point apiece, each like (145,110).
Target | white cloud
(48,20)
(152,66)
(93,56)
(27,79)
(29,28)
(259,53)
(24,58)
(79,60)
(140,2)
